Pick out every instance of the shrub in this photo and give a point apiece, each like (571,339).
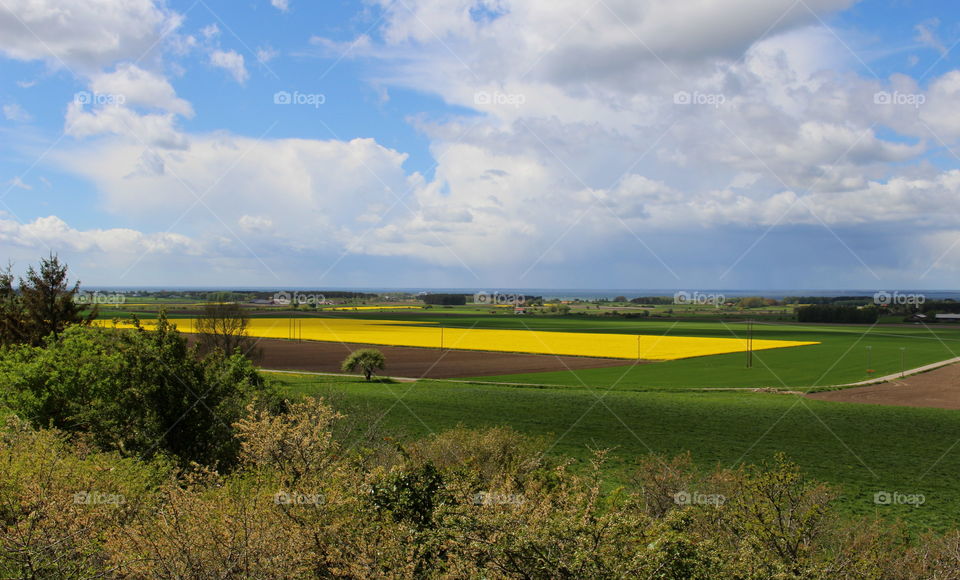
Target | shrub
(136,391)
(59,502)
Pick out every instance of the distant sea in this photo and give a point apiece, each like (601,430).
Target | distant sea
(551,293)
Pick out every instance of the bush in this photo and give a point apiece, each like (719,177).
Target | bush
(60,503)
(137,392)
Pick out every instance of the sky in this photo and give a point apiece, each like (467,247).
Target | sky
(781,144)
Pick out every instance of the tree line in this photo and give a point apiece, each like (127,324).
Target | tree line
(838,314)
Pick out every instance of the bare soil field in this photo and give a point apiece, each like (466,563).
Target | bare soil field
(938,388)
(419,362)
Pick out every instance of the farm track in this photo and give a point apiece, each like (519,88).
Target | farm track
(935,385)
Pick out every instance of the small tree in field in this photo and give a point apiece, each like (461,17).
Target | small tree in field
(367,360)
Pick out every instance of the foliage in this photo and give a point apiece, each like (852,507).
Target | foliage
(842,300)
(367,360)
(298,442)
(60,501)
(837,314)
(223,326)
(136,392)
(444,299)
(43,304)
(13,321)
(653,300)
(941,306)
(410,495)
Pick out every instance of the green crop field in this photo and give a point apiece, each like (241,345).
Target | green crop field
(860,449)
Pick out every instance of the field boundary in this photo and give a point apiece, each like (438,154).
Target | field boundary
(413,380)
(904,374)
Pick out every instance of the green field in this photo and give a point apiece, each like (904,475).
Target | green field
(861,449)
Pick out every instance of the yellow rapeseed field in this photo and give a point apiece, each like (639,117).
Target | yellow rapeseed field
(405,333)
(373,308)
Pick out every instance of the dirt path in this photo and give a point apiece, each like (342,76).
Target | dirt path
(938,388)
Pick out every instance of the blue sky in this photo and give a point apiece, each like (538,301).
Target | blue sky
(483,143)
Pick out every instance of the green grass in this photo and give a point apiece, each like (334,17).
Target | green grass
(861,449)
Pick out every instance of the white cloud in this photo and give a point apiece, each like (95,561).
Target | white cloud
(14,112)
(52,232)
(84,35)
(266,54)
(210,32)
(19,184)
(154,130)
(281,5)
(927,36)
(255,224)
(232,62)
(937,115)
(140,87)
(314,194)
